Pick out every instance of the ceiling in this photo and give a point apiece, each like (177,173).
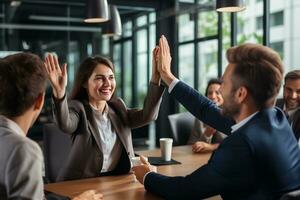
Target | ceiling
(55,12)
(40,22)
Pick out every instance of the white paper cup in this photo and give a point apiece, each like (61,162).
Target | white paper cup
(166,148)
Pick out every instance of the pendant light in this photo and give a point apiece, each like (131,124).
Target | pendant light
(96,11)
(113,26)
(230,5)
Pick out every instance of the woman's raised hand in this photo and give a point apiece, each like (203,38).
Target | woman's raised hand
(155,74)
(57,76)
(164,61)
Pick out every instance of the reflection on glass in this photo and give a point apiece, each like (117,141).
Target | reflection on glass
(249,23)
(186,63)
(152,43)
(276,18)
(117,64)
(207,23)
(186,1)
(127,55)
(208,62)
(141,21)
(278,47)
(226,38)
(205,1)
(185,28)
(152,17)
(73,60)
(127,29)
(142,82)
(105,46)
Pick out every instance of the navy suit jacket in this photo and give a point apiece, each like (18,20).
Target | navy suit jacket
(294,119)
(259,161)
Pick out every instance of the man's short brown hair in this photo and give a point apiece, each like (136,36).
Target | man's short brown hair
(22,80)
(259,69)
(292,75)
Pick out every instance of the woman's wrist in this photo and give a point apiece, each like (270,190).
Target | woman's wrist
(59,94)
(155,78)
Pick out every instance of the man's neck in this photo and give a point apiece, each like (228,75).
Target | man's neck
(24,121)
(245,112)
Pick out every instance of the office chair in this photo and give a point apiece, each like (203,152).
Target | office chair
(57,146)
(293,195)
(181,126)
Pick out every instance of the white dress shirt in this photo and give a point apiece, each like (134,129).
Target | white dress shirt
(242,123)
(110,143)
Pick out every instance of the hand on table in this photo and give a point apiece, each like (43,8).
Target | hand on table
(200,147)
(143,169)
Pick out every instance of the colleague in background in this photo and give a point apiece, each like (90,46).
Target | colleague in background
(260,159)
(205,138)
(99,123)
(22,90)
(290,103)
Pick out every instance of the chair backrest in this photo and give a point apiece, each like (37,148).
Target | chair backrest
(181,126)
(57,146)
(293,195)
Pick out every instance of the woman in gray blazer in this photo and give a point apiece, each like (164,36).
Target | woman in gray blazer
(205,138)
(99,123)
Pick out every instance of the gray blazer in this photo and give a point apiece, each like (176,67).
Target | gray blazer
(86,158)
(21,166)
(197,134)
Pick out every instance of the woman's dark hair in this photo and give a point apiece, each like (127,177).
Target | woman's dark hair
(211,82)
(84,72)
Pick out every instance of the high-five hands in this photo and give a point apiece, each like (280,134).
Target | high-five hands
(164,61)
(155,74)
(141,170)
(57,76)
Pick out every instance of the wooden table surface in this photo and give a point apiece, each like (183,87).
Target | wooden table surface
(124,187)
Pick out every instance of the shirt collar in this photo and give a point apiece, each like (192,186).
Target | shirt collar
(5,122)
(105,111)
(241,123)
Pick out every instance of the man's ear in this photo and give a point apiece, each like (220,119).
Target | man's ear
(39,102)
(241,94)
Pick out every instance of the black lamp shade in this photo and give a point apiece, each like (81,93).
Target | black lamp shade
(113,27)
(230,5)
(96,11)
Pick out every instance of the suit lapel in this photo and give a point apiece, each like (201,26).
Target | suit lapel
(95,133)
(116,121)
(92,125)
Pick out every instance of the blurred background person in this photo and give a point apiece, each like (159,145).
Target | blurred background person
(290,103)
(203,137)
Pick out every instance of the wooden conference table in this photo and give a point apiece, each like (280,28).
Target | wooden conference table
(124,187)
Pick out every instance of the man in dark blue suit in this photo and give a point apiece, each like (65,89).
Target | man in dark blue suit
(260,159)
(290,103)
